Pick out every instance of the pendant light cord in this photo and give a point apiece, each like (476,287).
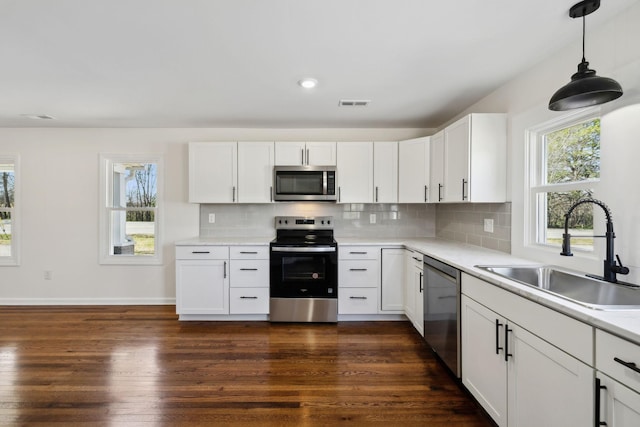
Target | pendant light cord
(584,24)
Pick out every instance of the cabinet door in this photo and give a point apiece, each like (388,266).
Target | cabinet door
(620,406)
(456,160)
(547,387)
(385,172)
(321,154)
(484,370)
(392,295)
(355,172)
(255,172)
(290,153)
(418,289)
(413,159)
(212,172)
(202,287)
(408,287)
(436,168)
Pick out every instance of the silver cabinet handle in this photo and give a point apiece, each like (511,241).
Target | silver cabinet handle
(200,252)
(357,269)
(249,252)
(225,269)
(248,297)
(357,297)
(248,269)
(358,253)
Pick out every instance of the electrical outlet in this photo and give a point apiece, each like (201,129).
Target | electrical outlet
(48,275)
(488,225)
(212,218)
(372,218)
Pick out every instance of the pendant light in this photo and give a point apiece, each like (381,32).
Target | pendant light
(585,88)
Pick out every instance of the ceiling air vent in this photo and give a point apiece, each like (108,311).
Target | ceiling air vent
(354,102)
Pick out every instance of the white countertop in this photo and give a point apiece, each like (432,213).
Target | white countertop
(624,323)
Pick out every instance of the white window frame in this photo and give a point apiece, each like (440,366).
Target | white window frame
(106,190)
(535,221)
(14,258)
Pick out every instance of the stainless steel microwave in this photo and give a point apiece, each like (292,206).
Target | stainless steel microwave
(304,183)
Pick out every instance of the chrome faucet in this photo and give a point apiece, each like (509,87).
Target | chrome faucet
(611,267)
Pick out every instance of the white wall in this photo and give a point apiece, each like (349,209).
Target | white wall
(612,51)
(59,208)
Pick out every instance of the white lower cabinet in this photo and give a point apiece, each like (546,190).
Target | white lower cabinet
(617,381)
(392,281)
(518,377)
(202,280)
(358,280)
(221,280)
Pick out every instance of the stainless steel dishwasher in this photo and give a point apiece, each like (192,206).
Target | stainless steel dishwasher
(442,311)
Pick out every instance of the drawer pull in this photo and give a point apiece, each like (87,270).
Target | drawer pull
(248,269)
(599,387)
(248,297)
(629,365)
(357,269)
(200,252)
(249,253)
(358,253)
(357,297)
(417,259)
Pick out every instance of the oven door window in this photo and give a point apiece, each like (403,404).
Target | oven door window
(303,269)
(300,183)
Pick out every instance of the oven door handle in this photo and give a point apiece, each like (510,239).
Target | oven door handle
(294,249)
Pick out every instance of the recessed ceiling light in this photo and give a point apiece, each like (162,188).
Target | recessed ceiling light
(37,116)
(308,83)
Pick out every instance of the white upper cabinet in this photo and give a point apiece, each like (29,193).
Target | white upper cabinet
(305,153)
(475,155)
(355,172)
(255,172)
(385,172)
(436,168)
(212,172)
(413,170)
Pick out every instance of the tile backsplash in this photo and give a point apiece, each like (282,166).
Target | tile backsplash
(457,222)
(350,220)
(464,222)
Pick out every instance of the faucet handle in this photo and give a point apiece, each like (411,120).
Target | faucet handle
(620,269)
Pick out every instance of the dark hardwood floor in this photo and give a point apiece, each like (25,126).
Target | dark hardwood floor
(138,365)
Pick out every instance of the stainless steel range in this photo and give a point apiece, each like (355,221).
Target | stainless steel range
(304,270)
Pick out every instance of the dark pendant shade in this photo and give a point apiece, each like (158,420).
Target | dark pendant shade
(585,89)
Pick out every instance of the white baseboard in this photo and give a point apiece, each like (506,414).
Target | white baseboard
(87,301)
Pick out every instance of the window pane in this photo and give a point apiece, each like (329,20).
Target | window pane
(573,153)
(7,185)
(133,233)
(5,233)
(553,206)
(134,185)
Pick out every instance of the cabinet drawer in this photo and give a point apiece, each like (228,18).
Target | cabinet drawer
(249,273)
(608,349)
(358,273)
(359,252)
(202,252)
(358,301)
(249,300)
(249,252)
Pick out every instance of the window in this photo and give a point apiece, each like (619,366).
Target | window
(129,214)
(9,210)
(565,167)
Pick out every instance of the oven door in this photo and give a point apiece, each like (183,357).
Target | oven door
(304,272)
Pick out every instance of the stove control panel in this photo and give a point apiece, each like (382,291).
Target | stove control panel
(304,222)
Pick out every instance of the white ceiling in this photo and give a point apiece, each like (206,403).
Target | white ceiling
(235,63)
